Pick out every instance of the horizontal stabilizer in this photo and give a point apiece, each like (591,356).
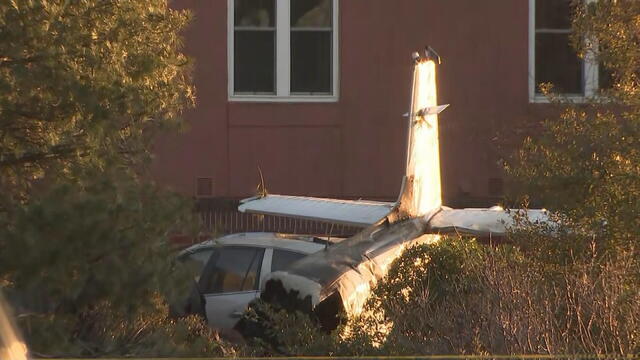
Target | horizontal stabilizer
(347,212)
(483,222)
(430,110)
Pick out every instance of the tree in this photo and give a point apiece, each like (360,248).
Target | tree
(91,256)
(85,86)
(586,162)
(86,81)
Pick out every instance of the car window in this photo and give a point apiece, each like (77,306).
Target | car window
(195,261)
(283,258)
(232,269)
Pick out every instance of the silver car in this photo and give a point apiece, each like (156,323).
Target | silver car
(233,270)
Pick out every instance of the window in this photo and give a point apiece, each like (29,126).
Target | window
(283,258)
(232,269)
(283,50)
(551,57)
(196,261)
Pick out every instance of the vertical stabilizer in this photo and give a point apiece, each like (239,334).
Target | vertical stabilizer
(421,190)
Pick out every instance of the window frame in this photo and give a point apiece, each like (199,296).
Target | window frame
(590,70)
(283,59)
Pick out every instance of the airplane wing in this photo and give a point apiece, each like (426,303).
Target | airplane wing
(348,212)
(483,222)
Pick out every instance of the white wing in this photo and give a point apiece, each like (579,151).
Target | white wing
(347,212)
(483,222)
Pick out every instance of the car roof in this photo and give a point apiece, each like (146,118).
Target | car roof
(297,243)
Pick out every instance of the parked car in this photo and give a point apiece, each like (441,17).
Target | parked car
(232,270)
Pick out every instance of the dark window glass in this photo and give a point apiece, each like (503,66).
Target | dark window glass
(232,269)
(311,62)
(195,261)
(553,14)
(254,61)
(311,46)
(255,13)
(557,63)
(283,258)
(311,13)
(254,46)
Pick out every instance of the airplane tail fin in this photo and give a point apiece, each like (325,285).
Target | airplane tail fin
(421,190)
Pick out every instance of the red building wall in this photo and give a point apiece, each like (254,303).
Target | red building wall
(355,147)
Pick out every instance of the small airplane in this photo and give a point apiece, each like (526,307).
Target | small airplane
(340,278)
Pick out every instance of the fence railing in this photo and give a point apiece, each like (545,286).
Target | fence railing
(221,216)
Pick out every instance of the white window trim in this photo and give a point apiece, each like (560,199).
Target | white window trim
(283,59)
(590,70)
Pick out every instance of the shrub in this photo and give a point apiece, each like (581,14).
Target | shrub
(88,267)
(459,297)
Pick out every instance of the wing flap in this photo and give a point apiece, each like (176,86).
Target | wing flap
(347,212)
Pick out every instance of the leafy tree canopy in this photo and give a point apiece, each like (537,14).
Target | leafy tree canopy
(92,249)
(86,81)
(586,162)
(85,85)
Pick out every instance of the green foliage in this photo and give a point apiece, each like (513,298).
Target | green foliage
(431,268)
(399,316)
(585,165)
(151,333)
(470,299)
(585,162)
(610,28)
(104,331)
(85,87)
(86,82)
(83,245)
(78,241)
(284,333)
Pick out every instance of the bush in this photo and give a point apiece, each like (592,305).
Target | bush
(103,330)
(89,268)
(275,331)
(459,297)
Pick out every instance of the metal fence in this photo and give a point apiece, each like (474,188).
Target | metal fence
(222,216)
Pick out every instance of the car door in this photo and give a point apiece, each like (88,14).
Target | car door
(229,282)
(190,302)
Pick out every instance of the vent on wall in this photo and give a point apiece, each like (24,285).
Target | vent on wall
(204,187)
